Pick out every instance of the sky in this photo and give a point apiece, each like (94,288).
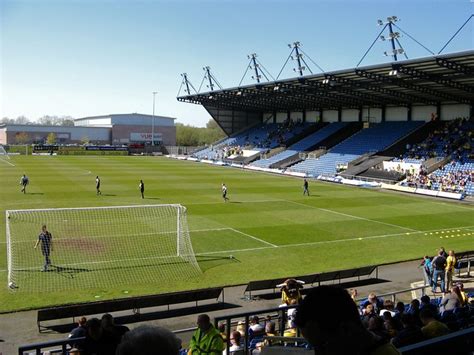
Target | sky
(93,57)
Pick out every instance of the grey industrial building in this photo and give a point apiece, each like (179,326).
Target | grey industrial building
(105,129)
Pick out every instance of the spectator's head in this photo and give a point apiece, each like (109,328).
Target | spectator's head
(149,340)
(221,327)
(415,304)
(94,330)
(425,299)
(235,337)
(74,351)
(369,309)
(320,324)
(240,327)
(388,304)
(82,321)
(400,307)
(107,320)
(372,297)
(376,323)
(254,320)
(451,253)
(204,322)
(426,316)
(270,328)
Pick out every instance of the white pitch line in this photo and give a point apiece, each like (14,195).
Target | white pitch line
(5,161)
(259,248)
(251,236)
(356,217)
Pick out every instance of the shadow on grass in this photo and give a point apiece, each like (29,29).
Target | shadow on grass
(207,262)
(107,195)
(34,193)
(152,198)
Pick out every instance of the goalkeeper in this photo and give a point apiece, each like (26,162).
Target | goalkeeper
(24,181)
(46,240)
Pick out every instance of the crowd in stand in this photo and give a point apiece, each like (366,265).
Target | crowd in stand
(371,326)
(278,135)
(453,138)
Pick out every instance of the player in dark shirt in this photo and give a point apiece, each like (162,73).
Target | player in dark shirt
(46,240)
(24,181)
(305,187)
(97,185)
(141,186)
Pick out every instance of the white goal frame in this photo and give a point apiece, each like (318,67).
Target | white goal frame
(184,250)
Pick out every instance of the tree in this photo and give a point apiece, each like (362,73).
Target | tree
(22,138)
(22,120)
(51,139)
(6,120)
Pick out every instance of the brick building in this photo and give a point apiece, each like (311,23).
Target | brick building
(108,129)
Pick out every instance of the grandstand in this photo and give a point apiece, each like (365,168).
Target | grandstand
(370,140)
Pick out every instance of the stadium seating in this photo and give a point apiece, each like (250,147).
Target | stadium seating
(302,145)
(261,137)
(369,140)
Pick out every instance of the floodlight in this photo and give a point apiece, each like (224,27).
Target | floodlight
(326,81)
(239,93)
(276,88)
(289,45)
(210,97)
(401,51)
(379,22)
(393,73)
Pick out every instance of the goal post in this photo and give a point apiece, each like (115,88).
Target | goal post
(3,152)
(97,247)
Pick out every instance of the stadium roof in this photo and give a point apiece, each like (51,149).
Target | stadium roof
(431,80)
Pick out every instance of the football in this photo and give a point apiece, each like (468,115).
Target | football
(11,285)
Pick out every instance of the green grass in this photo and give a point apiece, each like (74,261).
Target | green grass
(268,226)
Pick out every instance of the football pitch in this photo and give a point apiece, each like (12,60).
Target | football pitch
(267,229)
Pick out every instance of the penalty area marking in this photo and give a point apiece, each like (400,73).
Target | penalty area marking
(6,161)
(352,216)
(251,236)
(296,245)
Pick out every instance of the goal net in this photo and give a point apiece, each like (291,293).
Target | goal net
(99,247)
(3,153)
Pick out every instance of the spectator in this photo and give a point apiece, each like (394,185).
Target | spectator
(426,304)
(387,307)
(367,313)
(414,310)
(432,327)
(112,333)
(149,340)
(241,327)
(451,301)
(375,301)
(464,298)
(80,330)
(235,345)
(410,334)
(206,339)
(337,329)
(439,266)
(450,263)
(427,270)
(377,327)
(95,342)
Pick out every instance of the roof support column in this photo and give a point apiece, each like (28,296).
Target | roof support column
(409,113)
(471,109)
(339,114)
(438,110)
(304,115)
(274,117)
(360,113)
(320,111)
(384,113)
